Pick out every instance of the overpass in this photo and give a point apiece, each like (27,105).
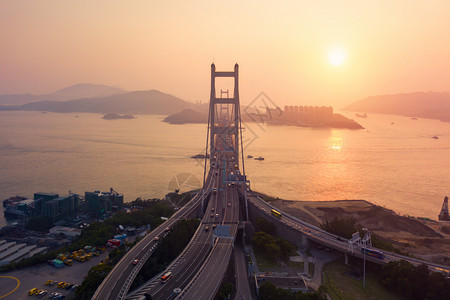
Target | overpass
(223,203)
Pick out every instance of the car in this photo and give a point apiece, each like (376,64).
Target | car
(229,204)
(74,287)
(32,291)
(214,226)
(206,228)
(42,293)
(217,215)
(167,229)
(69,287)
(212,209)
(156,239)
(214,191)
(212,215)
(135,262)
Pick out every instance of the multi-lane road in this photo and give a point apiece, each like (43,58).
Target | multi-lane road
(223,208)
(332,241)
(118,281)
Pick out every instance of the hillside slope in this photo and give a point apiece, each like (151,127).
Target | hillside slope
(78,91)
(431,105)
(138,102)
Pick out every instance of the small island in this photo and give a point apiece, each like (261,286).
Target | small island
(187,116)
(302,116)
(113,116)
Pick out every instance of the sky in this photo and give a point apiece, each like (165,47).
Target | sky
(282,47)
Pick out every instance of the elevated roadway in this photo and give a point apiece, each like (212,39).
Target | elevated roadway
(209,277)
(222,208)
(118,281)
(329,240)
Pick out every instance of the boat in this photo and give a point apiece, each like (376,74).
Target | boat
(413,118)
(364,115)
(249,156)
(200,156)
(12,200)
(435,137)
(259,158)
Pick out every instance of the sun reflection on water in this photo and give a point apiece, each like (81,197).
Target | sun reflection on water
(335,142)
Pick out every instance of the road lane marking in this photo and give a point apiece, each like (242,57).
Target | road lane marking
(18,283)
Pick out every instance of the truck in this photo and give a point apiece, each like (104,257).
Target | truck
(114,243)
(120,237)
(57,263)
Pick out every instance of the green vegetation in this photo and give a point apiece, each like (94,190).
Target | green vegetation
(226,290)
(345,227)
(93,279)
(167,250)
(269,249)
(268,291)
(264,225)
(40,223)
(272,248)
(413,282)
(170,247)
(342,283)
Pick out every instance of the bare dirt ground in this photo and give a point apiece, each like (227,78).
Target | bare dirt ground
(421,238)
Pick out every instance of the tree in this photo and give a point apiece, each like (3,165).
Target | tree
(40,223)
(344,227)
(264,225)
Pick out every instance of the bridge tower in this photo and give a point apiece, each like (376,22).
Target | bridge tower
(224,120)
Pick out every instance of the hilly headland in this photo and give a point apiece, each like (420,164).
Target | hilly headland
(431,105)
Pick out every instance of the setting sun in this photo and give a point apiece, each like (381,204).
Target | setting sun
(336,56)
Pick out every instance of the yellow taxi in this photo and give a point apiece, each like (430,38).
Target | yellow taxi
(32,292)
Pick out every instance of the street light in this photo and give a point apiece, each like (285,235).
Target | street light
(364,240)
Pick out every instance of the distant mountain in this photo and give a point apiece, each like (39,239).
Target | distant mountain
(88,90)
(430,105)
(138,102)
(78,91)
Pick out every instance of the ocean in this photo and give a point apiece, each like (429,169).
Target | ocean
(394,162)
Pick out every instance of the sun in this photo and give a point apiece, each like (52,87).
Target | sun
(336,56)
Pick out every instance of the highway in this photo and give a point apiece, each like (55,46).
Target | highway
(209,278)
(187,264)
(118,281)
(333,241)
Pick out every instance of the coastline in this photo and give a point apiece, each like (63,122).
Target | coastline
(422,238)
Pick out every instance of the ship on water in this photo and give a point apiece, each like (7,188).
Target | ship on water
(443,216)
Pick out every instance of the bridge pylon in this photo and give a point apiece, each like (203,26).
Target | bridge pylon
(225,116)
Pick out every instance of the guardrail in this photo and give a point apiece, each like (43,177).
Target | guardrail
(326,235)
(169,267)
(183,210)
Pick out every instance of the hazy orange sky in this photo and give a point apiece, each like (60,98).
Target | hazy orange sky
(281,46)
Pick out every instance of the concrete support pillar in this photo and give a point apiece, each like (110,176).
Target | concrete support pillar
(346,258)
